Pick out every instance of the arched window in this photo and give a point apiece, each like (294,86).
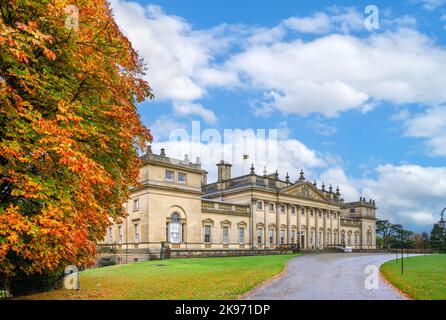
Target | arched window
(175,228)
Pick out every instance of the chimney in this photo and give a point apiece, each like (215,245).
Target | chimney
(163,152)
(224,171)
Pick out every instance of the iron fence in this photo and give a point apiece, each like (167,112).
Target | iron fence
(22,286)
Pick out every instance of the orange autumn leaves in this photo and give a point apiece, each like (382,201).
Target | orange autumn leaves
(69,132)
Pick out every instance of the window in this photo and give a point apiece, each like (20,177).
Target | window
(135,204)
(311,237)
(349,239)
(335,238)
(311,212)
(175,228)
(181,177)
(271,207)
(320,237)
(356,239)
(225,234)
(183,232)
(169,175)
(259,205)
(293,236)
(167,231)
(241,235)
(136,232)
(259,235)
(293,210)
(271,236)
(110,235)
(302,211)
(282,236)
(320,214)
(207,234)
(282,208)
(120,234)
(352,210)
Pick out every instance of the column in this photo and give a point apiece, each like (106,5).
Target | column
(299,228)
(288,223)
(324,228)
(277,224)
(316,235)
(307,236)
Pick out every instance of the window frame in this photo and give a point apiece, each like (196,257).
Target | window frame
(136,233)
(135,204)
(241,235)
(223,229)
(259,205)
(207,236)
(185,177)
(173,175)
(259,235)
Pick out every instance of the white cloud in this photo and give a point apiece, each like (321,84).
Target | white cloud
(185,108)
(431,126)
(337,177)
(337,19)
(408,194)
(335,73)
(411,195)
(327,75)
(288,155)
(163,126)
(432,4)
(180,59)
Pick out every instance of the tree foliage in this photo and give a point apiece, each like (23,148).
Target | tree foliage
(70,131)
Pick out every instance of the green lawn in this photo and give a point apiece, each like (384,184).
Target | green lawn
(197,278)
(424,277)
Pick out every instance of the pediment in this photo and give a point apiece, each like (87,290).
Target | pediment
(304,190)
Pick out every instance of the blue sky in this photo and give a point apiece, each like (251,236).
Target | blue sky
(362,109)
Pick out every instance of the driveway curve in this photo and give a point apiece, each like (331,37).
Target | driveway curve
(337,276)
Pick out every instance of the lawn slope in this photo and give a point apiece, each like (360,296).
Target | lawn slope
(424,277)
(198,278)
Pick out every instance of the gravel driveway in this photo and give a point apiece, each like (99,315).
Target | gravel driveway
(337,276)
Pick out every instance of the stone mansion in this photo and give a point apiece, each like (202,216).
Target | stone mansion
(176,205)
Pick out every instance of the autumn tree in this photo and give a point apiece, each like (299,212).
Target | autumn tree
(70,132)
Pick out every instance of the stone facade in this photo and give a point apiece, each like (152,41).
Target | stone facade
(175,205)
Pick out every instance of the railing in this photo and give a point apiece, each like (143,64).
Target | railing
(225,208)
(22,286)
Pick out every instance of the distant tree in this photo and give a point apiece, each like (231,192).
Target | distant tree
(70,133)
(386,230)
(379,242)
(438,238)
